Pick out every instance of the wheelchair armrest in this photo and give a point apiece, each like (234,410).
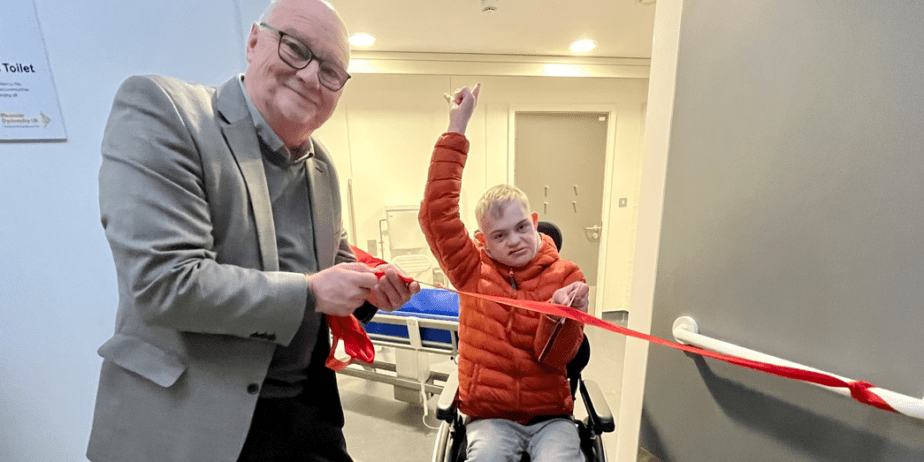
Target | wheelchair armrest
(598,412)
(445,410)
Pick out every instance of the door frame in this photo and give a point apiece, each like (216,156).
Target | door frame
(612,115)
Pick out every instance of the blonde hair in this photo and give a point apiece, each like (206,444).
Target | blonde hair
(497,195)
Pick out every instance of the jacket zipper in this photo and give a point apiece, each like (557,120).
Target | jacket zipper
(513,282)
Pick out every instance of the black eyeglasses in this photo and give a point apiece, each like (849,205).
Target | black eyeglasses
(296,54)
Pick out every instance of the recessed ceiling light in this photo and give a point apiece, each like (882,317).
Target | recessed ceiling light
(362,39)
(564,70)
(583,46)
(361,66)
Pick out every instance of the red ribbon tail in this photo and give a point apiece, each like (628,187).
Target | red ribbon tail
(356,342)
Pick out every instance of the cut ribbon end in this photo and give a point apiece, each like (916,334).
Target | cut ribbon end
(356,342)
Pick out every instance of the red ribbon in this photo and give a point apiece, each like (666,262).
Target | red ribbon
(859,390)
(356,341)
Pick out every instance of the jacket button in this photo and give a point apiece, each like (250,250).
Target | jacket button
(253,388)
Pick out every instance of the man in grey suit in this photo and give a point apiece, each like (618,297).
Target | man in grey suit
(224,220)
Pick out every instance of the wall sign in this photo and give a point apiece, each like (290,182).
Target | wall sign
(29,107)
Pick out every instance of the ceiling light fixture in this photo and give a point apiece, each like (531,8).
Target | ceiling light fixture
(564,70)
(489,6)
(361,66)
(583,46)
(362,39)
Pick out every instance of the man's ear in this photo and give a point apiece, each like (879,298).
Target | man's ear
(535,220)
(252,40)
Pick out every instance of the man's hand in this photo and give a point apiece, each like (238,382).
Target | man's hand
(391,293)
(577,293)
(461,107)
(342,288)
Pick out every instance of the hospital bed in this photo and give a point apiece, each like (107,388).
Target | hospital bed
(424,336)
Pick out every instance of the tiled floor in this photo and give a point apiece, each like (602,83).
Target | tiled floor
(380,428)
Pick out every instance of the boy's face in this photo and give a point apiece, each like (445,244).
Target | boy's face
(510,234)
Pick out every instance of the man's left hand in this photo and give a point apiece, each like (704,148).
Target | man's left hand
(391,293)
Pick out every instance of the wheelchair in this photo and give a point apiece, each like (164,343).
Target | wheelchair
(451,442)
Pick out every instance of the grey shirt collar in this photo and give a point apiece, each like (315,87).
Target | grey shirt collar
(270,138)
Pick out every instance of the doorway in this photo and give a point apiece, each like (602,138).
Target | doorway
(560,163)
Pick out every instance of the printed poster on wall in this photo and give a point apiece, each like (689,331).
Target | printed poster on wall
(29,107)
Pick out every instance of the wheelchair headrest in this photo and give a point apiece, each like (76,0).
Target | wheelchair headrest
(550,229)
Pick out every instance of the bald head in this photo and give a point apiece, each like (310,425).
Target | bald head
(319,6)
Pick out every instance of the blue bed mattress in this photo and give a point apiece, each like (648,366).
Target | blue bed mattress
(428,303)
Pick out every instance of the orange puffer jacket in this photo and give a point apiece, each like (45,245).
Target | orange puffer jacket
(500,375)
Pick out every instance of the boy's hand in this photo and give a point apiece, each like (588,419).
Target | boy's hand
(576,292)
(461,107)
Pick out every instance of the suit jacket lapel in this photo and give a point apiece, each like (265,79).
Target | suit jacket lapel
(323,217)
(241,136)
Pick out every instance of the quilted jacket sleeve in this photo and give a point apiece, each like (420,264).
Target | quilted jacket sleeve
(439,212)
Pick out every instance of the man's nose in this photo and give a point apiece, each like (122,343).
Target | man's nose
(310,74)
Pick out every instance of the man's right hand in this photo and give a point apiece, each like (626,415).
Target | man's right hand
(342,288)
(461,107)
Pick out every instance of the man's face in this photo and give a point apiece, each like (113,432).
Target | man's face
(510,234)
(293,101)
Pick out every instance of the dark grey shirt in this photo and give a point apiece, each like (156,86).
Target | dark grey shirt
(288,183)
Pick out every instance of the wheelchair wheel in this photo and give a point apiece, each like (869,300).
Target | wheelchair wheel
(443,443)
(450,443)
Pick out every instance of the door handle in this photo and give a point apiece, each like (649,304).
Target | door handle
(593,232)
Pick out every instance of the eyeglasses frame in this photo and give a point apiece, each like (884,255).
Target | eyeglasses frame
(311,56)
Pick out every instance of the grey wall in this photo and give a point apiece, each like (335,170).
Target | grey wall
(793,225)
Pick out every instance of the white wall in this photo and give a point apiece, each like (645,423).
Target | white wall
(57,282)
(384,130)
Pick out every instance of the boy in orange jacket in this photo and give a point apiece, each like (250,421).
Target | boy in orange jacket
(512,377)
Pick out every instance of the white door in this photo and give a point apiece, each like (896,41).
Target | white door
(560,160)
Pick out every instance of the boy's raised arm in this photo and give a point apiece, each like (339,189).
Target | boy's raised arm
(439,211)
(461,107)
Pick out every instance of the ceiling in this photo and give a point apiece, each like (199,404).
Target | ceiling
(621,28)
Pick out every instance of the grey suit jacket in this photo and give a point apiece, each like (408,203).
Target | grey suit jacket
(202,305)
